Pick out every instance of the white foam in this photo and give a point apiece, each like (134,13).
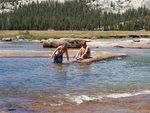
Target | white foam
(83,98)
(59,104)
(126,94)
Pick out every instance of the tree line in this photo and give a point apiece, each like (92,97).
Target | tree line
(72,15)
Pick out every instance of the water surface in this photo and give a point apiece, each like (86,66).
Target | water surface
(24,80)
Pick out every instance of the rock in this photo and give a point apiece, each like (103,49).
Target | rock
(52,43)
(10,5)
(117,6)
(7,39)
(43,40)
(136,40)
(72,43)
(104,55)
(118,46)
(36,41)
(18,37)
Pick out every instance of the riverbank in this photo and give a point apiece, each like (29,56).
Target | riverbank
(38,35)
(134,43)
(138,43)
(133,104)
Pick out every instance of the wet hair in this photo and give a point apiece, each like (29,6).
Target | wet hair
(64,45)
(83,43)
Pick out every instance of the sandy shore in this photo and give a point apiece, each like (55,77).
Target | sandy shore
(135,104)
(30,53)
(139,43)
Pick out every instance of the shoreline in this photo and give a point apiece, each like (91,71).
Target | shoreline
(140,43)
(133,104)
(135,43)
(126,104)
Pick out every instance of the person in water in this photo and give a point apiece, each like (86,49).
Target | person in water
(58,53)
(84,52)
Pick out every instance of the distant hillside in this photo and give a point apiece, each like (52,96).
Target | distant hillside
(9,5)
(118,6)
(114,6)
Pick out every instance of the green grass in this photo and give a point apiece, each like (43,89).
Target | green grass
(38,35)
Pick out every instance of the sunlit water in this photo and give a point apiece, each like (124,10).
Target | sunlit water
(27,79)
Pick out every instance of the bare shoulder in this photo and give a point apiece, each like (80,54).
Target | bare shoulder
(59,46)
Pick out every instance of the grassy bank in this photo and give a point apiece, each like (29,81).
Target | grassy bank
(33,34)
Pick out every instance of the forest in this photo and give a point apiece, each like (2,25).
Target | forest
(72,15)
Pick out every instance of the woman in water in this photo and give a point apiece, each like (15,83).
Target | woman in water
(58,53)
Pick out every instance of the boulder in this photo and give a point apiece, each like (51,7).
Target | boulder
(118,46)
(50,43)
(7,39)
(104,55)
(136,40)
(72,43)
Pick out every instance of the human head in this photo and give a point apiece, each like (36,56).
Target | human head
(84,44)
(64,45)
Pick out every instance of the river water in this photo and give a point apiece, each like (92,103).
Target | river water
(27,80)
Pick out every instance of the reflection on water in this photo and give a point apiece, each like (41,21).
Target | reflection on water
(61,69)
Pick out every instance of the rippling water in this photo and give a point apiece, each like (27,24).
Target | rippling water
(28,79)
